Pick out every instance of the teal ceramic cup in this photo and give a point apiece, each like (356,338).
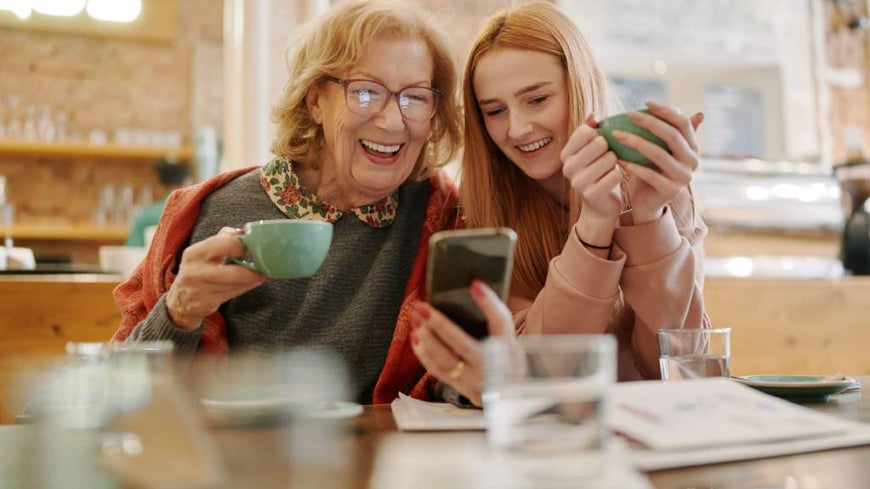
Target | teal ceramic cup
(285,248)
(623,122)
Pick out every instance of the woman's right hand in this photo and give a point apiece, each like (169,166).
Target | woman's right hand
(592,170)
(205,280)
(451,354)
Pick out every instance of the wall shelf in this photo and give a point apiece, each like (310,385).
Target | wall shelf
(106,151)
(66,232)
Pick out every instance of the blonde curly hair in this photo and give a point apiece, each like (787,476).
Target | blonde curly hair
(334,42)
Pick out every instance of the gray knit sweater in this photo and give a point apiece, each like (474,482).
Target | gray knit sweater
(348,308)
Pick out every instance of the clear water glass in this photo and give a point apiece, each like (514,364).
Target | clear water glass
(694,353)
(547,395)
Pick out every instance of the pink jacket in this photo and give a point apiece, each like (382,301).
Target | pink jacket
(658,268)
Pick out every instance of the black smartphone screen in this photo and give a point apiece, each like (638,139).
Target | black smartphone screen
(458,257)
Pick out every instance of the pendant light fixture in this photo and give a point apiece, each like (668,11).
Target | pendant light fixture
(106,10)
(114,10)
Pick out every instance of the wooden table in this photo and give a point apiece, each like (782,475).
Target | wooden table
(258,458)
(298,455)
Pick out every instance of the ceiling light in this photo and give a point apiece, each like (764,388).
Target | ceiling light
(660,67)
(115,10)
(21,8)
(60,8)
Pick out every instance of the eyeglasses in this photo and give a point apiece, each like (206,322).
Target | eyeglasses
(368,97)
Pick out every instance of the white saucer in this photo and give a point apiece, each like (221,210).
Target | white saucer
(256,406)
(334,410)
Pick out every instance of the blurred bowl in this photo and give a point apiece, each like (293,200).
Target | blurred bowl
(121,259)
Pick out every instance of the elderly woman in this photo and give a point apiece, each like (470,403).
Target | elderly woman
(366,115)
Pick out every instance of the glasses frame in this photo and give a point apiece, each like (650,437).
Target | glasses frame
(344,82)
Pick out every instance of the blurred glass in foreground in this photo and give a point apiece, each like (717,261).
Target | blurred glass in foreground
(115,415)
(546,396)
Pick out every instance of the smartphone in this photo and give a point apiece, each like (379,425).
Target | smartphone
(458,257)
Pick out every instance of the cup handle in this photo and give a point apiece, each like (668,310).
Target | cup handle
(239,261)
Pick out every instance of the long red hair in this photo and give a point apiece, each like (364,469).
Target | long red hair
(494,191)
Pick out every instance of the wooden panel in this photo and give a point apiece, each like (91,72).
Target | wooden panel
(111,153)
(778,326)
(730,242)
(36,321)
(68,233)
(45,315)
(793,327)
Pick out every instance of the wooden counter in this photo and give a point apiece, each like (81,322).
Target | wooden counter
(778,326)
(39,314)
(793,326)
(796,326)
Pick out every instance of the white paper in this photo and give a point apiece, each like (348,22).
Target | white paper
(649,460)
(683,423)
(416,415)
(711,412)
(705,421)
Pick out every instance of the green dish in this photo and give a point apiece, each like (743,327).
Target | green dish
(797,388)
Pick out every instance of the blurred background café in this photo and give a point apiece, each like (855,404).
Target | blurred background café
(94,93)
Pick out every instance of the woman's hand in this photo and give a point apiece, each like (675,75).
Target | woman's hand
(205,280)
(652,189)
(448,352)
(592,170)
(594,174)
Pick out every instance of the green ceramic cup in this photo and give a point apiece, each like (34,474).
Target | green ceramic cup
(285,248)
(623,122)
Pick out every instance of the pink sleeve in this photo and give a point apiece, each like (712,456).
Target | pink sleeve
(662,283)
(659,268)
(572,302)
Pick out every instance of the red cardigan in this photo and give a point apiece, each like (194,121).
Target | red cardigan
(136,296)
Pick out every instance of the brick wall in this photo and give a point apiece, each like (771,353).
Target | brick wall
(104,84)
(100,84)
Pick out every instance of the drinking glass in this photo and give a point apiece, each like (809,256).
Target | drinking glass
(694,353)
(547,394)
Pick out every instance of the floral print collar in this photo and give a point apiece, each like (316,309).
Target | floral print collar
(293,199)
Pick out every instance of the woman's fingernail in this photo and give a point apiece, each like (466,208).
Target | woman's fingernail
(422,309)
(620,135)
(652,105)
(477,289)
(414,340)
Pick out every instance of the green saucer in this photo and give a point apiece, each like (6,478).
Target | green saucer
(797,388)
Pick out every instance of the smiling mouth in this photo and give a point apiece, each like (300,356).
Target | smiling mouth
(528,148)
(383,150)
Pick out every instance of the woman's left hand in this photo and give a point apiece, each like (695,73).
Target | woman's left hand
(451,354)
(653,189)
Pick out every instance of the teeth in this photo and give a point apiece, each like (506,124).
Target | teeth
(380,147)
(536,145)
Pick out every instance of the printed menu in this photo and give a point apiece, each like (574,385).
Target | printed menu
(681,424)
(678,424)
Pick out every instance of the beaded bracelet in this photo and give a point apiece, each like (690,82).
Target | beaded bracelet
(595,247)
